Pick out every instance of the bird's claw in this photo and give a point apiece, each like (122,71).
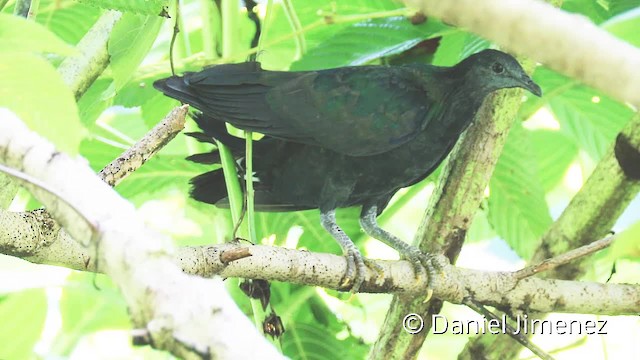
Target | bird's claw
(356,270)
(377,268)
(426,266)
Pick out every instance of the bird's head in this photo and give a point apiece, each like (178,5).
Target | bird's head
(491,70)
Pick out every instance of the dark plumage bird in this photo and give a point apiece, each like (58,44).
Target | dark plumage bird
(341,137)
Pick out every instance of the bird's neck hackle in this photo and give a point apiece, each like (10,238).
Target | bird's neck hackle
(457,99)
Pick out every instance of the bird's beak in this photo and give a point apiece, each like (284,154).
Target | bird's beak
(528,84)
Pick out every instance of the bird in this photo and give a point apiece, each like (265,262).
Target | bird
(340,137)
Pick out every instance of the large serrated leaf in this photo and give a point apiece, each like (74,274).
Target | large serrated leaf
(552,84)
(69,20)
(456,46)
(130,41)
(517,208)
(591,118)
(554,153)
(146,7)
(313,341)
(31,88)
(20,35)
(627,246)
(369,40)
(160,173)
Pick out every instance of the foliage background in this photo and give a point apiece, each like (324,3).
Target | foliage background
(56,313)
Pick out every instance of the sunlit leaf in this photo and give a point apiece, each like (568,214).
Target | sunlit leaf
(23,315)
(31,88)
(146,7)
(553,152)
(589,117)
(517,208)
(20,35)
(627,246)
(129,43)
(387,36)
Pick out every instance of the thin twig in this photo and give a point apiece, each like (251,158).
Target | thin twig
(565,258)
(516,335)
(149,145)
(176,30)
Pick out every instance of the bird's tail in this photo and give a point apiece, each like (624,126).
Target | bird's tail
(210,187)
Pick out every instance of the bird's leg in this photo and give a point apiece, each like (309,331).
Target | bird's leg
(420,261)
(356,268)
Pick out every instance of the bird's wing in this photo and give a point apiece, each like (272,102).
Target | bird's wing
(357,111)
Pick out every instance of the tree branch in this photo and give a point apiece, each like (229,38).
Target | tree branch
(143,150)
(568,43)
(80,71)
(44,244)
(136,258)
(590,215)
(507,24)
(8,190)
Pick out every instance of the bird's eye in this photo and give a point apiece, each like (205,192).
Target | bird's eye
(497,68)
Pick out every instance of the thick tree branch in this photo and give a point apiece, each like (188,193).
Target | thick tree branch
(8,190)
(507,24)
(136,258)
(80,71)
(49,245)
(590,215)
(568,43)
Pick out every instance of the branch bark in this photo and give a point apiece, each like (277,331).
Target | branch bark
(590,215)
(48,244)
(80,71)
(136,258)
(590,55)
(568,43)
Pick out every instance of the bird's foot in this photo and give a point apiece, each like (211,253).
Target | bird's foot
(356,270)
(377,268)
(425,265)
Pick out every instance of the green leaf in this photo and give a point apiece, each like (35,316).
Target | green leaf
(589,117)
(140,90)
(31,88)
(480,228)
(552,84)
(95,100)
(517,208)
(23,315)
(388,36)
(314,236)
(159,173)
(589,8)
(20,35)
(69,21)
(625,26)
(130,41)
(627,246)
(457,46)
(554,153)
(313,341)
(85,309)
(618,6)
(146,7)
